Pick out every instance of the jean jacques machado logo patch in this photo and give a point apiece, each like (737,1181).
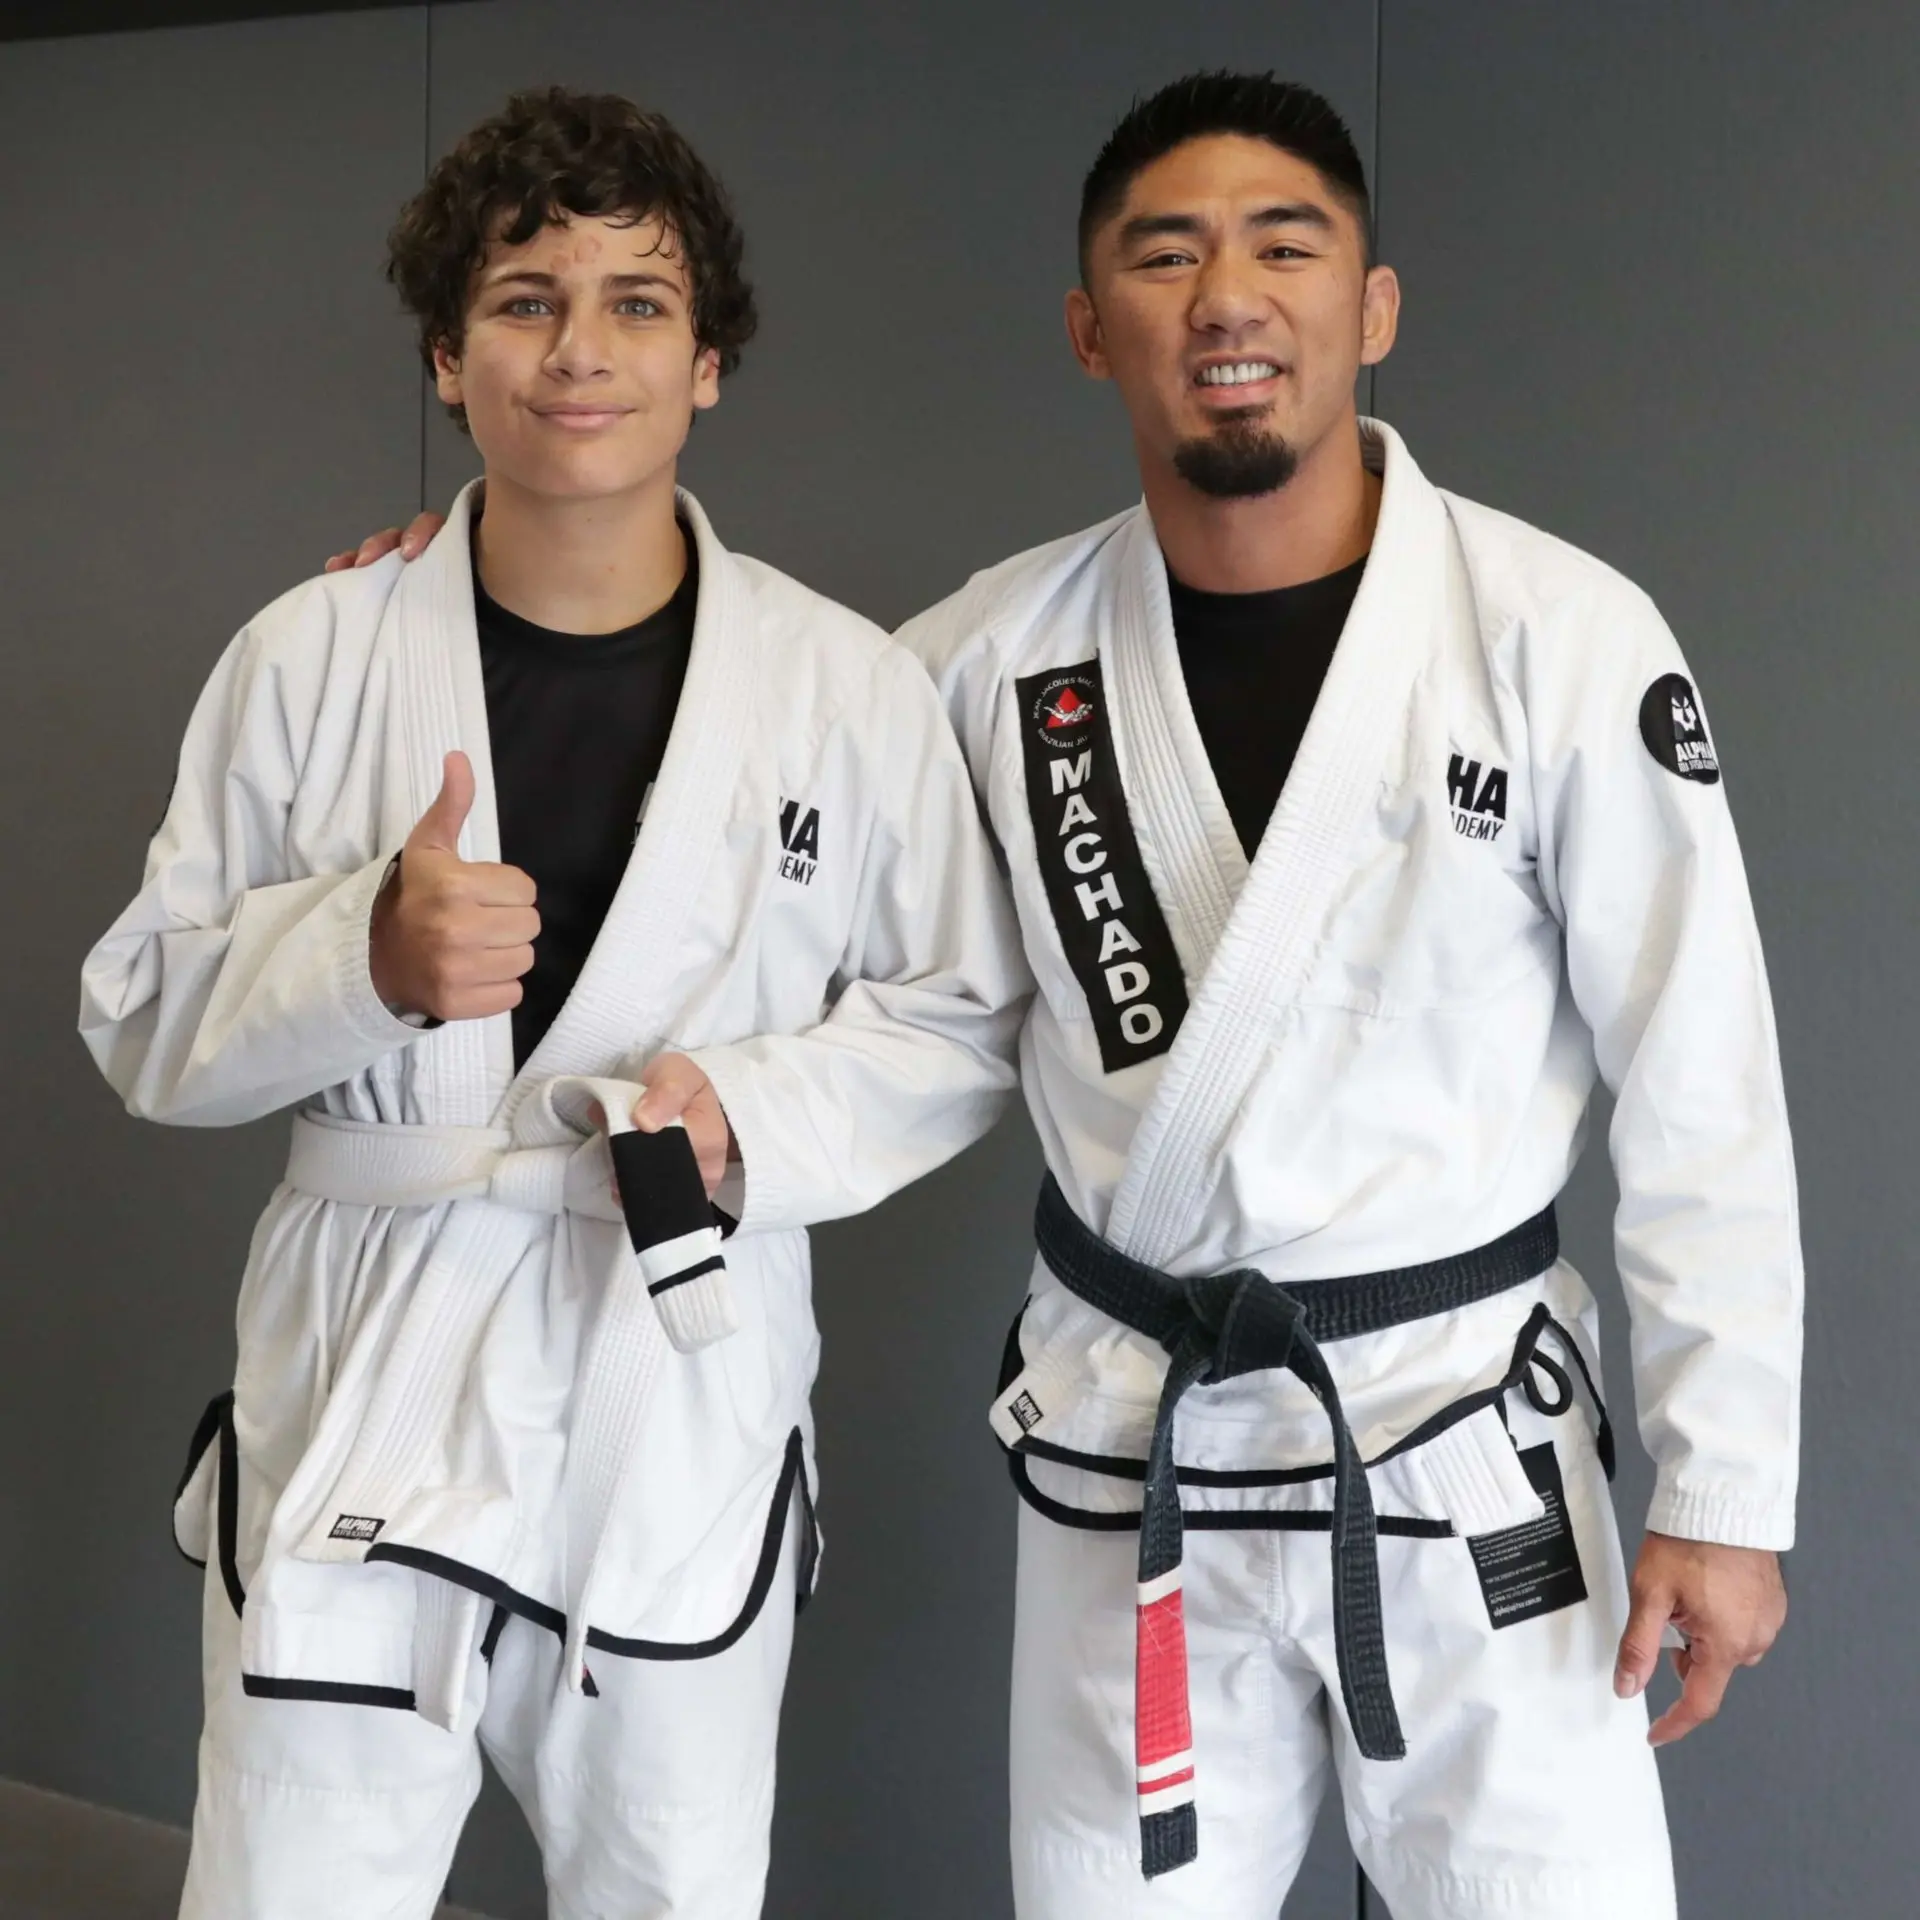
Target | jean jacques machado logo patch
(1109,924)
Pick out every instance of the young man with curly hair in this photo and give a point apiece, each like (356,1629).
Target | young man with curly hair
(590,892)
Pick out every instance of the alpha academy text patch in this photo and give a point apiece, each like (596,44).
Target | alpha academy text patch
(1675,730)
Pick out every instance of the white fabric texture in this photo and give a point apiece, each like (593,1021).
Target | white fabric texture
(1529,1792)
(1396,1023)
(438,1382)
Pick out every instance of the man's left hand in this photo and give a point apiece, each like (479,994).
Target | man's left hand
(678,1090)
(1729,1602)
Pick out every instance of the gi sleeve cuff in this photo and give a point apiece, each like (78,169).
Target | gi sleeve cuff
(366,1013)
(765,1201)
(1721,1516)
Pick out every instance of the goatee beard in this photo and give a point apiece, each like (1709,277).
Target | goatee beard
(1239,461)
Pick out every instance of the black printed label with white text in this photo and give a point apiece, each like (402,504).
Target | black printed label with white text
(1110,925)
(1025,1409)
(1675,730)
(1533,1568)
(356,1526)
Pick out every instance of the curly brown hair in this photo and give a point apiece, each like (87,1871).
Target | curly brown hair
(550,153)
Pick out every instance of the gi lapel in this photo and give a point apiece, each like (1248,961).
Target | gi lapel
(619,1004)
(1266,940)
(436,702)
(1187,838)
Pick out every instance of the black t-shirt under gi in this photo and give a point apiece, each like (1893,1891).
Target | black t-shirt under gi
(1253,664)
(578,724)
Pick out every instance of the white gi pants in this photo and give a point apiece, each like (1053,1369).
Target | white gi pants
(1528,1790)
(651,1802)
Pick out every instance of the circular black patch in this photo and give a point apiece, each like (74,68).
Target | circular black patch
(1675,730)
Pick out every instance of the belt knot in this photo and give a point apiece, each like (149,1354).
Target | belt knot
(1252,1323)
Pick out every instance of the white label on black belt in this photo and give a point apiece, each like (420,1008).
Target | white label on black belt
(1533,1568)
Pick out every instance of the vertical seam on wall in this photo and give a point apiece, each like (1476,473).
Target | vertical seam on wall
(426,167)
(1373,373)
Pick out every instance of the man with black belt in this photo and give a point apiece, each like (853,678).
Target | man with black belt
(1351,827)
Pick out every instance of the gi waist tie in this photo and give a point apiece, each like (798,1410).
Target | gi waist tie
(1214,1328)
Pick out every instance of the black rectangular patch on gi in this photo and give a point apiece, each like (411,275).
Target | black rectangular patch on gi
(1533,1568)
(1110,925)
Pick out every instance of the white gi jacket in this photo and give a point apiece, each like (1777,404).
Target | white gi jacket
(1501,861)
(452,1386)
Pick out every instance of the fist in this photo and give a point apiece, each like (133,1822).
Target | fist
(451,937)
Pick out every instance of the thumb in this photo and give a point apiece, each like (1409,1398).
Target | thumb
(1647,1617)
(439,827)
(672,1083)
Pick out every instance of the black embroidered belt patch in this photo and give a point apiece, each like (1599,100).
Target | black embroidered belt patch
(1110,925)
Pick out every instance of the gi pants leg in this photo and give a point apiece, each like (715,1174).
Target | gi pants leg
(1528,1790)
(653,1801)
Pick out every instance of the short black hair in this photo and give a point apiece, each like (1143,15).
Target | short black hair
(1281,112)
(547,154)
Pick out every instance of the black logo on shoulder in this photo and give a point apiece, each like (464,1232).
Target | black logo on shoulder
(1675,730)
(356,1526)
(800,837)
(1477,798)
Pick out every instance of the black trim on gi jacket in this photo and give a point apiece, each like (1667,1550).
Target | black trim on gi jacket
(1118,1466)
(217,1422)
(1106,915)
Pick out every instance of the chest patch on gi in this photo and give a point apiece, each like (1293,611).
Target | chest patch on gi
(1675,730)
(1533,1568)
(1110,925)
(799,841)
(356,1526)
(1477,798)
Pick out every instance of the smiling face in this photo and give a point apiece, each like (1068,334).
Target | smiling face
(579,369)
(1230,300)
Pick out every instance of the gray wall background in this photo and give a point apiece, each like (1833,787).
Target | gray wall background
(1659,265)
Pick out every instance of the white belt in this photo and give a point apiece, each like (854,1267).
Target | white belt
(549,1162)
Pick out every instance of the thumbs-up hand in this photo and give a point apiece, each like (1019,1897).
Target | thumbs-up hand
(451,937)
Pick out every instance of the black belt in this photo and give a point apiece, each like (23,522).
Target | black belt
(1216,1327)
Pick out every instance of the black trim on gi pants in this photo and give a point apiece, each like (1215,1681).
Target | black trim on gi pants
(216,1423)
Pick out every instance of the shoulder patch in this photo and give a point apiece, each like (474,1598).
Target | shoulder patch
(1675,730)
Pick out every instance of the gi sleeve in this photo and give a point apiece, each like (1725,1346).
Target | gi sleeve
(915,1059)
(1640,864)
(232,985)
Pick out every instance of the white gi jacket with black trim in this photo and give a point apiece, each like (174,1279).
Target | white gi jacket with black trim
(446,1398)
(1502,862)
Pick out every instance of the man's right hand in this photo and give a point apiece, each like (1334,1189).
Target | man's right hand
(376,546)
(451,937)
